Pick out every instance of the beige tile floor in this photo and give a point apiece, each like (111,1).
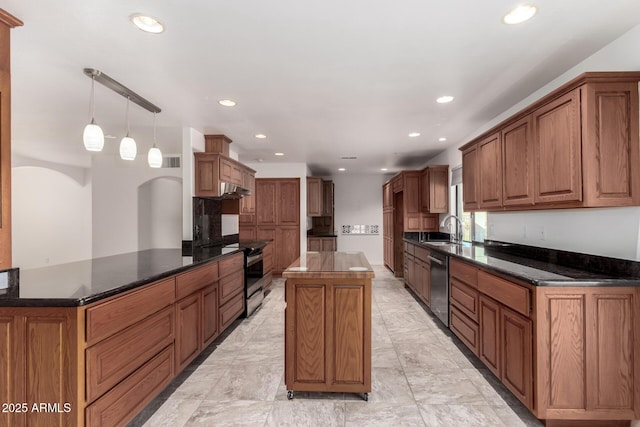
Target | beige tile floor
(421,376)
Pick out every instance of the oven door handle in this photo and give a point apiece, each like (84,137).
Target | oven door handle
(436,260)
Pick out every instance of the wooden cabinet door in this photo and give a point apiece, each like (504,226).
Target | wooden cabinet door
(209,314)
(387,196)
(327,198)
(489,351)
(226,173)
(206,175)
(516,350)
(557,147)
(490,172)
(188,330)
(328,244)
(314,244)
(314,196)
(248,233)
(438,182)
(288,202)
(610,144)
(517,163)
(248,203)
(266,204)
(411,190)
(306,356)
(287,248)
(470,178)
(351,323)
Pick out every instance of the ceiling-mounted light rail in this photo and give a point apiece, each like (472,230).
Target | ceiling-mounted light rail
(118,87)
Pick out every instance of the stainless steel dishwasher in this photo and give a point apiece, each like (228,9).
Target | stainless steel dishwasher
(440,286)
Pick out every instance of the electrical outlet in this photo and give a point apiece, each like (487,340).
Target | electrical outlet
(524,231)
(491,231)
(540,233)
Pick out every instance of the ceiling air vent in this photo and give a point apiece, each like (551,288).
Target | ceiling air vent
(171,161)
(349,157)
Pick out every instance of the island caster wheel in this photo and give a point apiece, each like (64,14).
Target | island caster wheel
(365,396)
(290,395)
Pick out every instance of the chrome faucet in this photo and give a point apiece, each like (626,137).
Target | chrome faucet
(457,238)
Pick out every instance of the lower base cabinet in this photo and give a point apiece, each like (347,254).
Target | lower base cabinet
(321,244)
(109,359)
(574,361)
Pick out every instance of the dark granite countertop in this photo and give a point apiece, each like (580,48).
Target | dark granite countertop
(83,282)
(545,267)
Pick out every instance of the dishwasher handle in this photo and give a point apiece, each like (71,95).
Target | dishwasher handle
(436,260)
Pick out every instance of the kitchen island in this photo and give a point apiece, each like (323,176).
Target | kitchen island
(328,323)
(92,342)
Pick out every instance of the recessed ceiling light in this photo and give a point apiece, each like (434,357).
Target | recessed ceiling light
(414,134)
(147,23)
(444,99)
(520,14)
(279,154)
(261,135)
(227,103)
(341,169)
(443,139)
(383,169)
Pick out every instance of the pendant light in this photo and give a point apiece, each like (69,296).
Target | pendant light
(92,136)
(155,155)
(128,149)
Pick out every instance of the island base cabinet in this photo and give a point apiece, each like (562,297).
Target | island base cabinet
(328,335)
(123,402)
(588,353)
(38,364)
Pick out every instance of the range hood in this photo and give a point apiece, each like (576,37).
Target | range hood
(233,191)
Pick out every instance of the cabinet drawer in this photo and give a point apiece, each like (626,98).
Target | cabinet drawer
(508,293)
(231,264)
(231,285)
(111,360)
(195,279)
(464,272)
(464,298)
(408,247)
(124,401)
(105,319)
(465,329)
(231,310)
(422,254)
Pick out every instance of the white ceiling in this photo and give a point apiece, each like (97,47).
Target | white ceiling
(321,79)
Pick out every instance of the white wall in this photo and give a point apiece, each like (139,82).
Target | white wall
(51,212)
(115,202)
(613,232)
(192,141)
(358,200)
(159,222)
(288,170)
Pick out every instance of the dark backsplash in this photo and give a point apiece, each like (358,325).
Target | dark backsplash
(207,221)
(592,263)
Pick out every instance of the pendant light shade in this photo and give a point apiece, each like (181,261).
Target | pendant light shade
(128,148)
(92,136)
(155,155)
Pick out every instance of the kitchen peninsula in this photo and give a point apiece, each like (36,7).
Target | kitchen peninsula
(328,323)
(98,339)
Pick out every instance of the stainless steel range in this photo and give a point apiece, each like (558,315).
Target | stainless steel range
(255,277)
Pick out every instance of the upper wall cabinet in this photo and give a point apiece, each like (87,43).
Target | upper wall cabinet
(314,196)
(434,189)
(319,197)
(577,147)
(212,168)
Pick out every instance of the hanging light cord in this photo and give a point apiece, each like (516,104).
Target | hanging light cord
(154,129)
(92,105)
(127,113)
